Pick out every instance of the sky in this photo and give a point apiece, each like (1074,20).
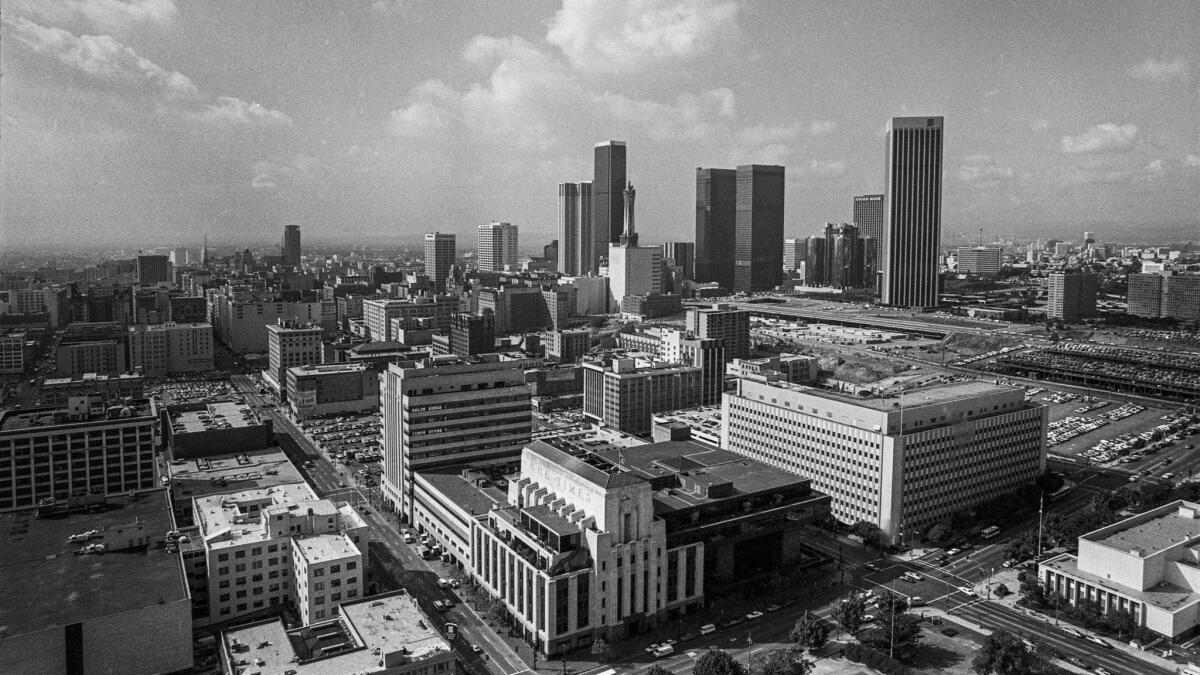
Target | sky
(160,121)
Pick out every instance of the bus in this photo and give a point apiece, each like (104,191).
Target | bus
(451,631)
(989,532)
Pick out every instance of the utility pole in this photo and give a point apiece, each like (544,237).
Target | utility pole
(1041,512)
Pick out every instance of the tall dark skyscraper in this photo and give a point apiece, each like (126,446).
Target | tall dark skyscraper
(868,218)
(913,208)
(843,256)
(608,190)
(577,251)
(758,252)
(153,269)
(291,245)
(716,225)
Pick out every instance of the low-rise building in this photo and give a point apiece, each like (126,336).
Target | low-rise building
(1147,565)
(386,634)
(104,389)
(97,590)
(624,393)
(313,391)
(199,429)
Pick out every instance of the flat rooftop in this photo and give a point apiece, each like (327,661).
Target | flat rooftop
(34,418)
(239,512)
(355,642)
(319,548)
(256,469)
(213,417)
(450,483)
(45,584)
(1164,595)
(1166,530)
(931,395)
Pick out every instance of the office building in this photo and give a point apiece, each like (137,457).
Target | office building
(568,346)
(13,351)
(1181,296)
(608,540)
(871,223)
(290,251)
(105,389)
(290,343)
(903,464)
(758,249)
(472,334)
(450,410)
(577,251)
(682,254)
(496,247)
(171,349)
(707,354)
(378,315)
(1145,295)
(794,253)
(387,634)
(1144,565)
(331,389)
(280,545)
(913,208)
(814,262)
(844,262)
(632,270)
(624,393)
(187,309)
(1071,295)
(440,253)
(96,591)
(716,225)
(981,261)
(153,269)
(240,320)
(57,458)
(722,322)
(608,198)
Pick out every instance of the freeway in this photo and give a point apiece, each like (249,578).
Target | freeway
(389,558)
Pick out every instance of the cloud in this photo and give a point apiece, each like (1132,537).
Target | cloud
(1039,125)
(1101,138)
(990,93)
(1160,71)
(981,171)
(110,16)
(1191,160)
(102,59)
(606,37)
(822,127)
(234,111)
(274,175)
(823,168)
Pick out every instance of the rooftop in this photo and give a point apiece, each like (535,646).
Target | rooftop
(466,495)
(1166,527)
(937,394)
(20,420)
(57,587)
(237,514)
(1165,595)
(235,472)
(213,417)
(319,548)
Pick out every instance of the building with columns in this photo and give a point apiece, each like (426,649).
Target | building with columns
(1147,565)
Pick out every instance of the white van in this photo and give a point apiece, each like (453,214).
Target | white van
(663,650)
(707,629)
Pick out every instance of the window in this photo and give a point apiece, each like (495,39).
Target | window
(222,557)
(351,565)
(334,569)
(320,600)
(224,583)
(224,597)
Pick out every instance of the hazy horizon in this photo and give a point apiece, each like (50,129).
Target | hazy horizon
(153,123)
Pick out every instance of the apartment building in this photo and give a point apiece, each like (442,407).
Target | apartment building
(280,545)
(171,348)
(722,322)
(902,463)
(52,457)
(624,393)
(451,410)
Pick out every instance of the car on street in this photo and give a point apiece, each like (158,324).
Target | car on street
(1100,641)
(708,628)
(693,654)
(754,615)
(1073,633)
(916,601)
(772,608)
(663,650)
(476,648)
(967,590)
(954,551)
(1076,661)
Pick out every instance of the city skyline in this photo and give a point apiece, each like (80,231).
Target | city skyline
(154,120)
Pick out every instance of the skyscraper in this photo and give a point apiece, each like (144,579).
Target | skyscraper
(683,253)
(496,246)
(843,256)
(608,183)
(716,230)
(440,250)
(794,252)
(1071,295)
(291,245)
(869,219)
(577,254)
(153,269)
(758,251)
(913,208)
(632,269)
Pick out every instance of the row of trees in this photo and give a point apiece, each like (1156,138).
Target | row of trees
(1087,612)
(783,661)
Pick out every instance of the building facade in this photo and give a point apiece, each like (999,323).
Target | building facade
(153,269)
(913,207)
(290,343)
(378,314)
(290,250)
(1071,295)
(681,254)
(624,393)
(441,249)
(608,199)
(725,323)
(319,390)
(171,349)
(903,464)
(716,225)
(871,223)
(983,261)
(577,252)
(758,249)
(496,247)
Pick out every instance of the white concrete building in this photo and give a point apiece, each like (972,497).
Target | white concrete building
(496,247)
(171,348)
(1147,565)
(903,463)
(633,270)
(290,343)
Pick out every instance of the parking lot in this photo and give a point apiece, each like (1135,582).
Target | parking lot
(350,440)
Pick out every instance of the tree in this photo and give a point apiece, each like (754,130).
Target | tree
(1001,590)
(1003,653)
(658,670)
(869,532)
(898,636)
(786,661)
(601,649)
(718,662)
(810,631)
(848,612)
